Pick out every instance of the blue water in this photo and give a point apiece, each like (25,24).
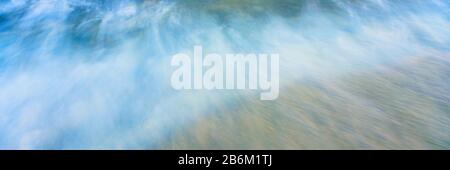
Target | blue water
(95,74)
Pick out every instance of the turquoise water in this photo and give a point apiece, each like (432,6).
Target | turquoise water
(80,74)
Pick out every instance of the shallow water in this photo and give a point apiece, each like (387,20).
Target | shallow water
(369,74)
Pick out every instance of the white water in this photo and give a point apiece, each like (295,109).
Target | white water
(83,74)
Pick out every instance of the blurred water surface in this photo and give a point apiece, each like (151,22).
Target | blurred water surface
(355,74)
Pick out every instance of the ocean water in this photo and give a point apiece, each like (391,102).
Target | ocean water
(354,74)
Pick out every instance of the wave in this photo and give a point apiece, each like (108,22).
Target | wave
(94,74)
